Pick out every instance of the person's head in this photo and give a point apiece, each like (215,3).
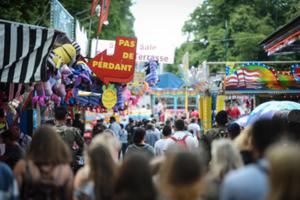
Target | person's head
(134,180)
(98,129)
(167,131)
(48,148)
(179,180)
(222,118)
(102,170)
(50,122)
(233,130)
(131,120)
(289,123)
(108,139)
(153,121)
(149,126)
(122,126)
(179,125)
(12,134)
(224,158)
(139,135)
(193,120)
(264,133)
(60,113)
(168,122)
(112,119)
(284,172)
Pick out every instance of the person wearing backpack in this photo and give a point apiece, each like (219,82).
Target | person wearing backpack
(71,136)
(45,173)
(181,137)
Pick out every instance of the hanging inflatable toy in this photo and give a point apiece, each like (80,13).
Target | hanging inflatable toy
(120,99)
(151,72)
(61,55)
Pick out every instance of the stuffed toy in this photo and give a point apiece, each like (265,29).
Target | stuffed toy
(120,99)
(151,72)
(64,54)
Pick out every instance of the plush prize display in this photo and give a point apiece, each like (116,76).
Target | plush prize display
(151,68)
(120,99)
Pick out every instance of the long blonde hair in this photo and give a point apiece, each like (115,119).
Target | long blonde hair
(225,157)
(109,140)
(284,174)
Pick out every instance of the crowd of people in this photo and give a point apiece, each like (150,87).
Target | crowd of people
(143,161)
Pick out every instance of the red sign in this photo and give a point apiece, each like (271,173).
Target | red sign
(118,68)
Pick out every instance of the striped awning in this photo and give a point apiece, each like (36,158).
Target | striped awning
(23,52)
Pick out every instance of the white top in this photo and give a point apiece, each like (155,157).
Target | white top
(159,147)
(190,141)
(194,128)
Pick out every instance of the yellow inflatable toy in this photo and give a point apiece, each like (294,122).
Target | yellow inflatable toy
(62,55)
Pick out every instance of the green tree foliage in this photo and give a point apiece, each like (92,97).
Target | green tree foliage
(232,29)
(37,12)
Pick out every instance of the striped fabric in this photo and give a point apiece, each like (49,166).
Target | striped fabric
(77,47)
(23,52)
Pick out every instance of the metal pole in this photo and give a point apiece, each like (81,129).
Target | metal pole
(225,41)
(96,46)
(89,45)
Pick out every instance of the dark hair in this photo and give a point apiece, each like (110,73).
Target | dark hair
(139,134)
(134,180)
(122,126)
(222,117)
(112,119)
(50,122)
(48,148)
(179,125)
(131,120)
(264,133)
(98,129)
(179,179)
(102,170)
(6,135)
(193,120)
(77,116)
(167,130)
(60,113)
(149,126)
(289,122)
(233,130)
(183,173)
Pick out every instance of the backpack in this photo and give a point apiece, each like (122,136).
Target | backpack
(46,188)
(181,141)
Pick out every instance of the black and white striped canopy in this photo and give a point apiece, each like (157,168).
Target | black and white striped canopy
(23,52)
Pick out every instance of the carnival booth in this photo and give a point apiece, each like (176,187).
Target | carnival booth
(41,68)
(177,98)
(31,57)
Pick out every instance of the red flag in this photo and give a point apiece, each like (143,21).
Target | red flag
(93,7)
(103,14)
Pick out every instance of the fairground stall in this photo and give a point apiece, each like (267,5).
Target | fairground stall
(174,97)
(30,55)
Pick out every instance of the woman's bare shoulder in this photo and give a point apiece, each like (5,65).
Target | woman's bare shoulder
(81,177)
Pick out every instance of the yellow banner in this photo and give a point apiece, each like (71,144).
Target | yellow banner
(205,111)
(220,103)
